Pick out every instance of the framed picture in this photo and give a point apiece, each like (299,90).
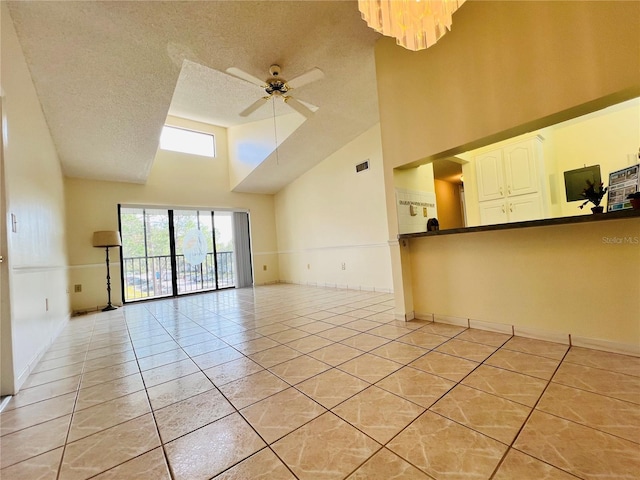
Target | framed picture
(622,183)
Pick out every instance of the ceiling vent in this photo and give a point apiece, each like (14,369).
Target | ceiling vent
(361,167)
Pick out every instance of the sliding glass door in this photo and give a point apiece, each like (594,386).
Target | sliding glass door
(173,252)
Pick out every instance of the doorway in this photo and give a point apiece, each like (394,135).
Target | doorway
(172,252)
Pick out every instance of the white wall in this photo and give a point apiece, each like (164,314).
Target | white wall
(37,258)
(175,180)
(332,216)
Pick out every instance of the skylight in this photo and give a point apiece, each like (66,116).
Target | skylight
(187,141)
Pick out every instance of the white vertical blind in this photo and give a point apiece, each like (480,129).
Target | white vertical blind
(244,276)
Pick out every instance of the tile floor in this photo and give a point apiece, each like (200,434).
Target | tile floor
(286,382)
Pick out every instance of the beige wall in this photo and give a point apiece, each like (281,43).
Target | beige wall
(577,279)
(36,251)
(506,68)
(175,180)
(332,215)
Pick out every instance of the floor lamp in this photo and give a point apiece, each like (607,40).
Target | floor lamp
(106,239)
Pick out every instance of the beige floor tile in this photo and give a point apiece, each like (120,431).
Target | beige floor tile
(217,357)
(32,441)
(506,384)
(274,356)
(518,362)
(299,369)
(469,350)
(30,415)
(604,382)
(444,329)
(335,354)
(493,416)
(446,366)
(263,465)
(202,347)
(370,368)
(104,450)
(446,450)
(96,377)
(485,337)
(255,346)
(607,361)
(361,325)
(28,396)
(42,467)
(389,331)
(163,347)
(212,449)
(188,415)
(378,413)
(423,339)
(65,361)
(233,370)
(337,334)
(607,414)
(36,379)
(103,392)
(152,465)
(178,389)
(326,448)
(386,465)
(159,359)
(537,347)
(417,386)
(309,344)
(288,335)
(243,337)
(399,352)
(315,327)
(108,414)
(582,451)
(332,387)
(253,388)
(517,465)
(365,341)
(168,372)
(280,414)
(104,362)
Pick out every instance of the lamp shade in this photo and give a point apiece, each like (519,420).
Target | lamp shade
(106,239)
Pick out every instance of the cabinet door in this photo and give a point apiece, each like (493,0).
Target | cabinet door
(493,212)
(525,207)
(490,176)
(521,169)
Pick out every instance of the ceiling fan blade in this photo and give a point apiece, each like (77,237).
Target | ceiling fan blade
(254,106)
(298,107)
(247,77)
(308,77)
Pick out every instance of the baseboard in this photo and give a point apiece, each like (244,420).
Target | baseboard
(606,345)
(491,327)
(458,321)
(544,335)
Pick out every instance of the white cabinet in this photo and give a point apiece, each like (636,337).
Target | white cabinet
(509,183)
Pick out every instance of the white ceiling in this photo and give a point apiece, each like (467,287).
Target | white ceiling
(108,73)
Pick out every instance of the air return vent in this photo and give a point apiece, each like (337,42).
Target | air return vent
(361,167)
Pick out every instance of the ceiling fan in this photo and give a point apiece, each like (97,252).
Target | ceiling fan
(276,86)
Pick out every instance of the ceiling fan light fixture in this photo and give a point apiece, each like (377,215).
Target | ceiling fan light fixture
(415,24)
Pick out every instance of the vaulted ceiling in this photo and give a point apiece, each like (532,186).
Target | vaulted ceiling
(108,74)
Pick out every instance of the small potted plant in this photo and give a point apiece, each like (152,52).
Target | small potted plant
(594,196)
(634,198)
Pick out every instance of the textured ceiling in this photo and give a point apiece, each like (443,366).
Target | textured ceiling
(106,74)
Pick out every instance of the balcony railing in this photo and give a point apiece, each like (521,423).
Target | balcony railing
(148,277)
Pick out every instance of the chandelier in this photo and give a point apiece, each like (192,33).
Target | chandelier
(415,24)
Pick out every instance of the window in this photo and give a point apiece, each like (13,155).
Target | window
(187,141)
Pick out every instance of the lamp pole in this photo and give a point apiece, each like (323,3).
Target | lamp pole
(109,305)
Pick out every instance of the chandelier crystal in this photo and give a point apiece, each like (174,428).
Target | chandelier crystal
(415,24)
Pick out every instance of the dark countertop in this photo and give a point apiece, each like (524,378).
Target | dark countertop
(620,214)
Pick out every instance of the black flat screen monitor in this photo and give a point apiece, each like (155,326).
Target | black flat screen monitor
(575,181)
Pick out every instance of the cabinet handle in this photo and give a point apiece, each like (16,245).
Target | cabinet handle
(509,189)
(503,210)
(511,207)
(501,192)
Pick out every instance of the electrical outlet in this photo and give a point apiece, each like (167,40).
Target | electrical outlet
(344,266)
(264,267)
(77,288)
